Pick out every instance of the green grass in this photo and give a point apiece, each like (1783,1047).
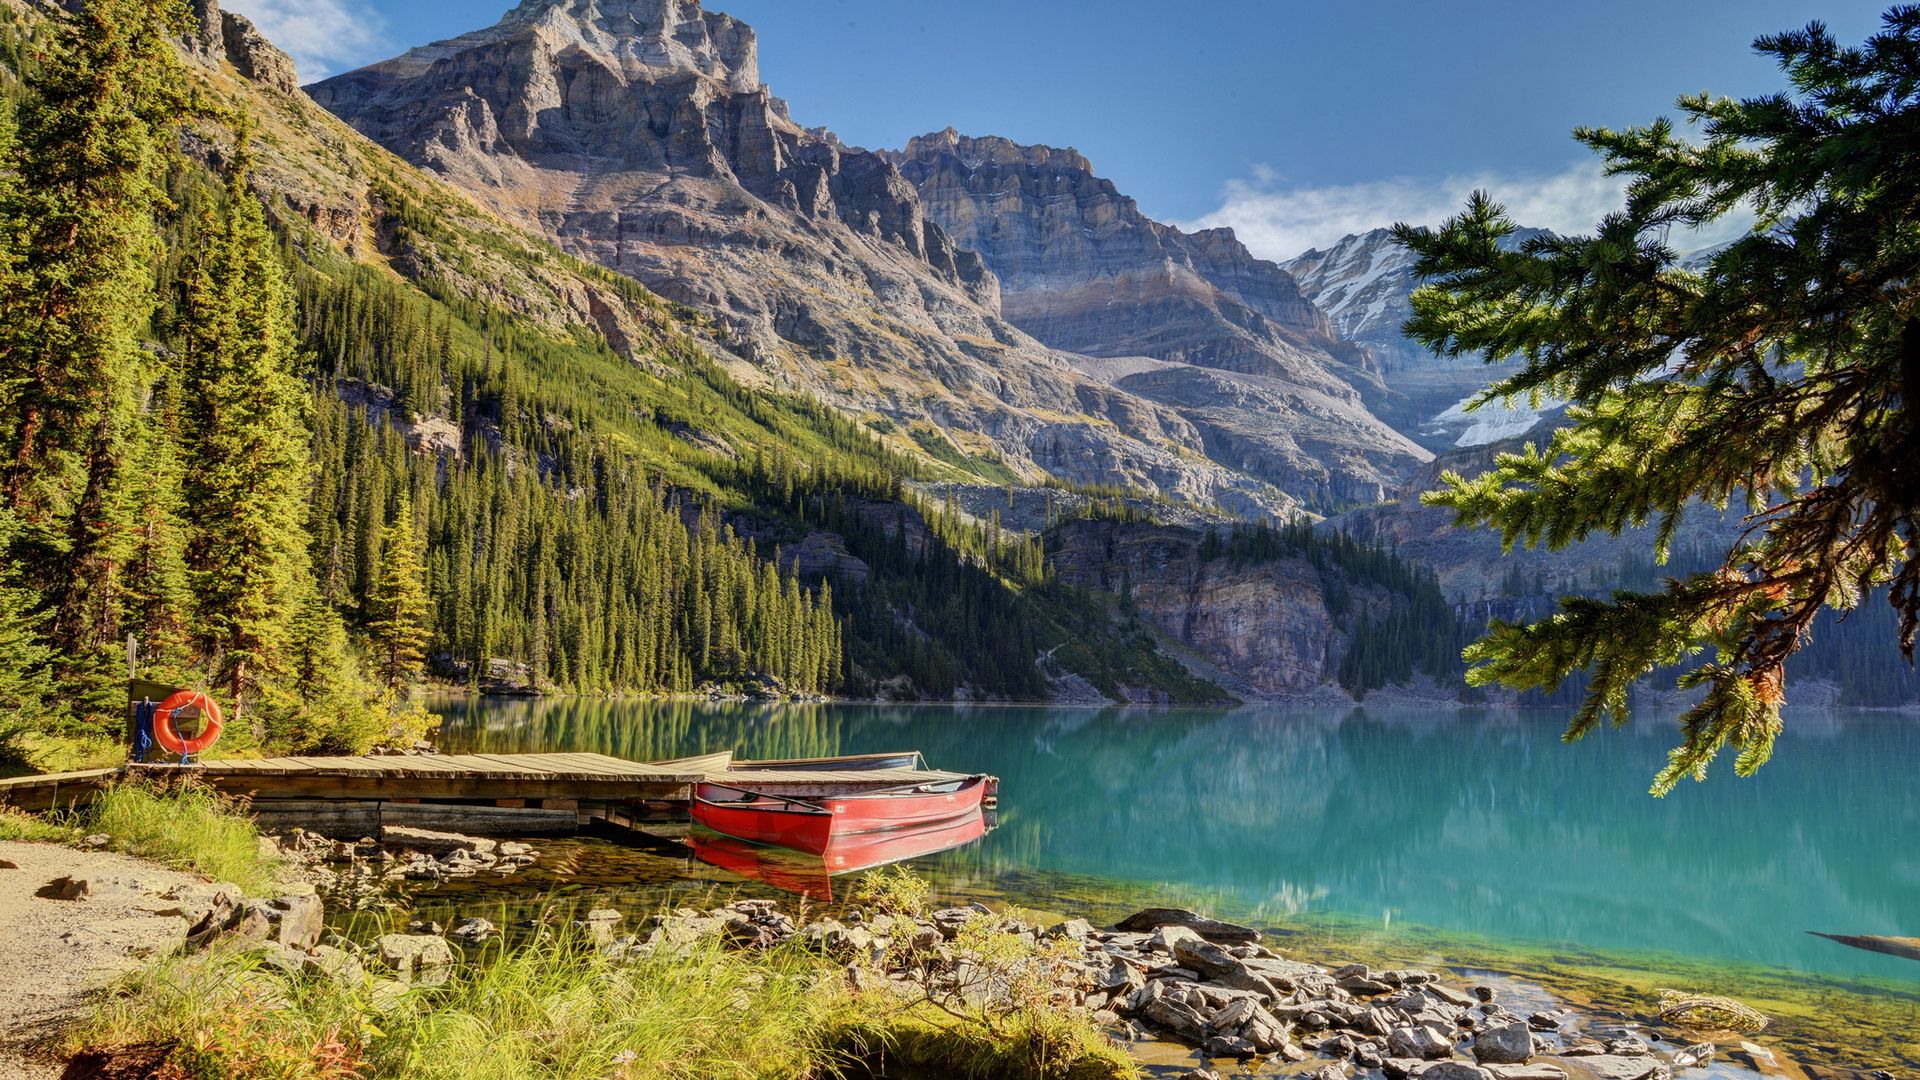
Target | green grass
(188,828)
(31,828)
(556,1010)
(922,1042)
(44,752)
(549,1010)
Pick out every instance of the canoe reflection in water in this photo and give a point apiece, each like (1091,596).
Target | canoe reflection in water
(811,875)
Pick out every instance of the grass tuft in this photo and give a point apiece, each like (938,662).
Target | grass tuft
(31,828)
(188,828)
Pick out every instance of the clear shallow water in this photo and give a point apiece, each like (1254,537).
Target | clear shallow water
(1471,824)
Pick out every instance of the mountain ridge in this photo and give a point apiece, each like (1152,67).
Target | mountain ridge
(1241,353)
(815,258)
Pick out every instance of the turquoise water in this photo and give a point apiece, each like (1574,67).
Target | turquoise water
(1481,824)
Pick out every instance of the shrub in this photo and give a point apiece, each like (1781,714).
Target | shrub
(894,890)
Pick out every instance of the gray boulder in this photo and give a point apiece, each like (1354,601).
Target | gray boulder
(332,963)
(1622,1067)
(293,921)
(1071,930)
(1419,1041)
(416,955)
(1177,1017)
(1504,1044)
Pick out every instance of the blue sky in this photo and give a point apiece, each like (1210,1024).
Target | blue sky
(1292,121)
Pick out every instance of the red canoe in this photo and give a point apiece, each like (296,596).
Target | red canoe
(814,825)
(812,876)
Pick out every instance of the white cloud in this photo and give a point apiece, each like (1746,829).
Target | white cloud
(321,35)
(1278,220)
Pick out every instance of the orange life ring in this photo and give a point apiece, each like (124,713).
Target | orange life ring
(168,736)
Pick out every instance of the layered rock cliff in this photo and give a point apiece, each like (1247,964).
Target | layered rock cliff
(1267,625)
(217,35)
(638,134)
(1242,353)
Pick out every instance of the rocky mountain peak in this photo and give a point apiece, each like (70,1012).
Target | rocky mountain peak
(976,151)
(629,39)
(660,35)
(1191,321)
(1364,282)
(217,35)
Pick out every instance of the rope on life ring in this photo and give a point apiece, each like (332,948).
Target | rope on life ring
(168,735)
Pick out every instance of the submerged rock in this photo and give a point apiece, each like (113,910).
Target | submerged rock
(1453,1070)
(1620,1067)
(1151,919)
(472,931)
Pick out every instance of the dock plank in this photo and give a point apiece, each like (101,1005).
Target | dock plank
(580,777)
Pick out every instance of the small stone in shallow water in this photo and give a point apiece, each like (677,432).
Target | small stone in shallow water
(472,931)
(1693,1057)
(1629,1046)
(1547,1021)
(1538,1070)
(1228,1046)
(1619,1067)
(1452,1070)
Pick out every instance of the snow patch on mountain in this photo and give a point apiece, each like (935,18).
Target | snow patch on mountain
(1493,421)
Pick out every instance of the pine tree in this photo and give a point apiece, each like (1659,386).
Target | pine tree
(158,593)
(1785,374)
(397,604)
(25,678)
(249,470)
(77,220)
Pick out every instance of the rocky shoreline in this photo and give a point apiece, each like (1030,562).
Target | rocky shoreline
(1170,973)
(1159,978)
(1161,975)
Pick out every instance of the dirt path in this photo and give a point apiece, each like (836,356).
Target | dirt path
(54,952)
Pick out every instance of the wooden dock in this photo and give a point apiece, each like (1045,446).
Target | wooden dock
(499,793)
